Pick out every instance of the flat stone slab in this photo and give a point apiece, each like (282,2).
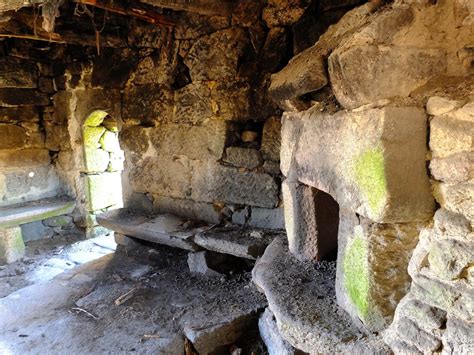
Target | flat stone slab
(28,212)
(162,229)
(234,240)
(301,295)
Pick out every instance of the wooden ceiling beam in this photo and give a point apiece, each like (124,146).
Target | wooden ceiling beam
(203,7)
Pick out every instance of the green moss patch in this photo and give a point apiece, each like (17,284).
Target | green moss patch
(95,118)
(356,274)
(92,136)
(369,174)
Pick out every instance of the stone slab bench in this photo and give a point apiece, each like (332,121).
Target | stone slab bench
(171,230)
(12,217)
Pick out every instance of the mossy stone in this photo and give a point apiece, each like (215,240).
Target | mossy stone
(356,274)
(95,119)
(12,247)
(92,136)
(369,172)
(97,160)
(110,142)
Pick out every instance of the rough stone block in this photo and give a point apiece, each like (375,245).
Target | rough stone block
(216,56)
(198,264)
(361,74)
(271,139)
(269,218)
(126,241)
(311,221)
(196,142)
(135,139)
(12,137)
(57,137)
(362,159)
(283,13)
(212,182)
(276,344)
(272,167)
(18,114)
(437,105)
(88,101)
(450,136)
(24,158)
(117,160)
(92,136)
(243,157)
(456,197)
(199,102)
(17,73)
(186,208)
(163,176)
(449,259)
(96,160)
(12,247)
(147,103)
(103,190)
(59,221)
(23,97)
(458,335)
(426,317)
(454,168)
(371,269)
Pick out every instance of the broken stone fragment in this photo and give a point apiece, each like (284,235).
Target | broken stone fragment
(382,150)
(243,157)
(12,247)
(198,263)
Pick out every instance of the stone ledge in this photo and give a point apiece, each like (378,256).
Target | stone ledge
(301,295)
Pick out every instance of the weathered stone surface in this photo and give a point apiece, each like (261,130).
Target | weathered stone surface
(270,335)
(216,57)
(271,139)
(57,137)
(58,221)
(275,49)
(117,160)
(24,158)
(268,218)
(210,337)
(161,229)
(437,105)
(12,247)
(198,264)
(192,25)
(18,114)
(426,317)
(17,73)
(126,241)
(284,12)
(364,74)
(455,168)
(147,103)
(36,231)
(371,272)
(186,208)
(163,176)
(243,157)
(12,137)
(23,97)
(135,139)
(272,167)
(449,259)
(196,142)
(96,160)
(362,159)
(28,184)
(234,241)
(212,182)
(458,335)
(301,296)
(306,72)
(104,190)
(311,221)
(456,197)
(201,101)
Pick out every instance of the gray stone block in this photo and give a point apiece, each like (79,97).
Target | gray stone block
(269,218)
(12,247)
(36,231)
(243,157)
(201,211)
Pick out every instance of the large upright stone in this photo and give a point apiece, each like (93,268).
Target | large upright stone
(212,182)
(371,270)
(371,161)
(311,221)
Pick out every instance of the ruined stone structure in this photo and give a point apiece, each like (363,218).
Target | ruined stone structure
(348,124)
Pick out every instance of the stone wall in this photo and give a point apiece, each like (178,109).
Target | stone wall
(29,138)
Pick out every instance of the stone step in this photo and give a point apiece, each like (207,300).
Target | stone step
(163,229)
(235,240)
(301,295)
(15,215)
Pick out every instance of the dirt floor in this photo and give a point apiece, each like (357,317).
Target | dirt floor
(143,301)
